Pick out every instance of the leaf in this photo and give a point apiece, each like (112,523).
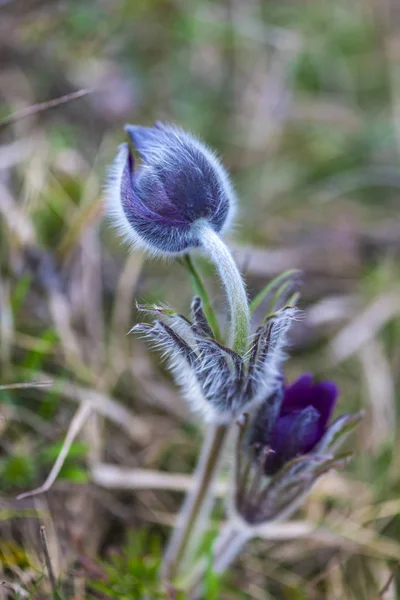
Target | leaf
(74,474)
(201,291)
(17,471)
(156,309)
(274,283)
(177,321)
(338,433)
(49,453)
(35,358)
(20,292)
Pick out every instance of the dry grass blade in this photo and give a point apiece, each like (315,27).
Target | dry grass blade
(7,325)
(61,315)
(17,589)
(48,561)
(367,540)
(21,414)
(387,585)
(292,530)
(42,106)
(75,427)
(16,220)
(115,477)
(27,385)
(380,392)
(137,428)
(331,309)
(364,327)
(124,297)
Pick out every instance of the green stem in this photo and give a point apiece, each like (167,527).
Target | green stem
(197,505)
(232,280)
(204,476)
(228,545)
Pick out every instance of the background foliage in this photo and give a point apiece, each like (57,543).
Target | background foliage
(301,99)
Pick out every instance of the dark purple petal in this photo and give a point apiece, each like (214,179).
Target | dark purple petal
(297,395)
(153,195)
(293,435)
(143,138)
(304,392)
(132,204)
(299,424)
(150,213)
(297,432)
(323,397)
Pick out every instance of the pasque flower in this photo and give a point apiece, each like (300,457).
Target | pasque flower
(304,412)
(286,447)
(266,493)
(179,186)
(180,198)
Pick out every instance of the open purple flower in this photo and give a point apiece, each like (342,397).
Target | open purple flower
(179,186)
(293,443)
(303,412)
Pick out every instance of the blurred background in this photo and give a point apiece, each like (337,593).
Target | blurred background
(302,102)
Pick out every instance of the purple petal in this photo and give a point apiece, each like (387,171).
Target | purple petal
(304,392)
(143,138)
(323,397)
(152,194)
(298,430)
(294,434)
(157,208)
(297,395)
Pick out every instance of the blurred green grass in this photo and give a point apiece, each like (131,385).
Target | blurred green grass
(301,101)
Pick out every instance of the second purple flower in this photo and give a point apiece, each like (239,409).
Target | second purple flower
(305,408)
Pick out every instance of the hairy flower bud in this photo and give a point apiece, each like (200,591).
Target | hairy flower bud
(163,205)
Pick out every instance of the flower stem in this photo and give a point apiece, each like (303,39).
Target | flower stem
(219,254)
(228,545)
(197,505)
(206,469)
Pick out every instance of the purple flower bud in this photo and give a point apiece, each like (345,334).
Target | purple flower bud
(302,421)
(179,186)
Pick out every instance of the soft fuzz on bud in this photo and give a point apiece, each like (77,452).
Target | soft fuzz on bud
(163,205)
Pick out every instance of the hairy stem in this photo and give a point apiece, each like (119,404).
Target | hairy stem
(197,505)
(232,280)
(206,469)
(228,545)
